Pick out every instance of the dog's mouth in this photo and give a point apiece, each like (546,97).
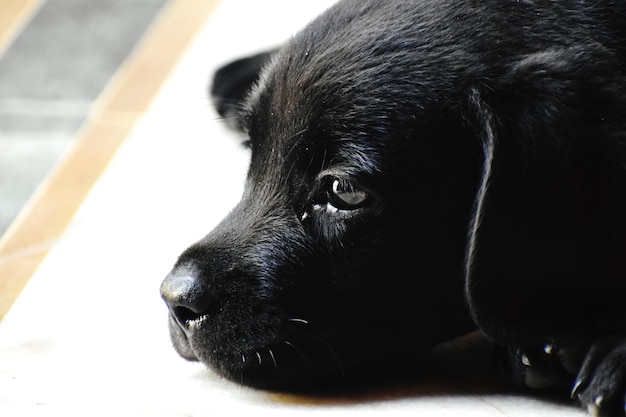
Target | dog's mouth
(180,340)
(289,357)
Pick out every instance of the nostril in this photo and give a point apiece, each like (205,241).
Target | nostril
(187,296)
(184,315)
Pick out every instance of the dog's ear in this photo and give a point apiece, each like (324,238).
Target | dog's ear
(233,81)
(484,123)
(544,218)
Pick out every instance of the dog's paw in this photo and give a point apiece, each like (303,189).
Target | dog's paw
(601,382)
(539,367)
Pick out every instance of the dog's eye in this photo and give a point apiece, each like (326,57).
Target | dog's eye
(344,196)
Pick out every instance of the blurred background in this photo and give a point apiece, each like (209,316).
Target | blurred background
(50,78)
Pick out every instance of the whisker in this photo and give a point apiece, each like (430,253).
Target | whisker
(225,119)
(306,170)
(235,104)
(293,147)
(324,159)
(258,355)
(308,362)
(288,343)
(309,164)
(273,358)
(291,169)
(218,99)
(297,320)
(342,372)
(296,143)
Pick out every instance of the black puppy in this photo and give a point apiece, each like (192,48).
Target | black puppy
(421,169)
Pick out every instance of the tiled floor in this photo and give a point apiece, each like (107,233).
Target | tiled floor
(61,56)
(88,334)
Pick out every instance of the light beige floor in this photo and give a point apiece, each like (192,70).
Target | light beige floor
(88,334)
(112,117)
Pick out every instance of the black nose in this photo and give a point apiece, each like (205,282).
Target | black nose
(187,297)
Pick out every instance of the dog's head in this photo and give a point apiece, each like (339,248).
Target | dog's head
(370,138)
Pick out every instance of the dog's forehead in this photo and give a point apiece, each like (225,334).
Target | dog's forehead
(311,98)
(356,73)
(362,74)
(298,111)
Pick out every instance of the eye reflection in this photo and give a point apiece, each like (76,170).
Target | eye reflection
(344,195)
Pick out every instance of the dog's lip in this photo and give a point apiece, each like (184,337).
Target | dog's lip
(180,340)
(183,334)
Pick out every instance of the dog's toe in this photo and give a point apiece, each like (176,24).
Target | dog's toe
(537,367)
(601,382)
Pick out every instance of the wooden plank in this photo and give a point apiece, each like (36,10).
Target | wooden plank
(14,15)
(44,219)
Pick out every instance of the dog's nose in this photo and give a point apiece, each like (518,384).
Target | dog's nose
(187,298)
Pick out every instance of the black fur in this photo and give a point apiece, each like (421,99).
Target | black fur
(421,169)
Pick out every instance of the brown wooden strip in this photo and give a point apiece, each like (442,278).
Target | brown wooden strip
(14,14)
(133,88)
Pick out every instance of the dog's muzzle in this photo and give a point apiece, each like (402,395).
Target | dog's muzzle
(189,304)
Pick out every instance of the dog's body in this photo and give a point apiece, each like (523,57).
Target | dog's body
(420,169)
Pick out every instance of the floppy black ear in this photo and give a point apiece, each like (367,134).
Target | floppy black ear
(485,125)
(545,251)
(232,82)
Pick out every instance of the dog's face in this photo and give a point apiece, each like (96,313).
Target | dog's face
(356,242)
(347,246)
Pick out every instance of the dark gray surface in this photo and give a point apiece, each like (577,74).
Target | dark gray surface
(50,77)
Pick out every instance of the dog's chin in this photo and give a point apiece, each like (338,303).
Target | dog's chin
(274,364)
(292,360)
(286,363)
